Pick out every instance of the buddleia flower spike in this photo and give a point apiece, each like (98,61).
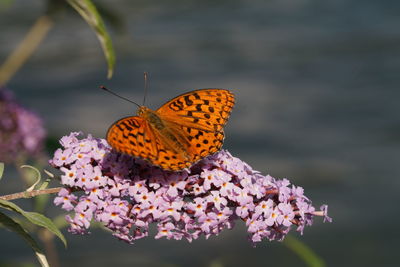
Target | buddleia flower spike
(127,195)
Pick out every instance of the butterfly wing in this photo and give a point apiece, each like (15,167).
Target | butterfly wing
(198,118)
(134,136)
(206,109)
(202,143)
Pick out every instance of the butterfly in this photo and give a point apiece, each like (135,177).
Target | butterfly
(181,132)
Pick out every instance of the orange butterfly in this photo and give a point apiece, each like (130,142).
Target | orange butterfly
(184,130)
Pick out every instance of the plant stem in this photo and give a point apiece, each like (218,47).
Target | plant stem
(25,49)
(309,257)
(31,193)
(51,251)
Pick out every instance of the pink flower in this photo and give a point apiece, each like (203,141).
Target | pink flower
(70,176)
(172,208)
(287,214)
(66,199)
(265,208)
(166,230)
(226,186)
(243,211)
(217,200)
(198,206)
(208,222)
(174,183)
(212,178)
(243,195)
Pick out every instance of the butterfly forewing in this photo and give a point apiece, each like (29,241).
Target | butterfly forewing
(131,135)
(207,109)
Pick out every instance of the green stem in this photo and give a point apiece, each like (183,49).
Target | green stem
(25,49)
(309,257)
(51,251)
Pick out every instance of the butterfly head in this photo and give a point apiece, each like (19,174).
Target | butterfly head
(142,110)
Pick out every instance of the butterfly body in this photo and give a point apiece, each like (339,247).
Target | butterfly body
(172,139)
(181,132)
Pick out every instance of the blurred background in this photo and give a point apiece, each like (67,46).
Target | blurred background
(317,89)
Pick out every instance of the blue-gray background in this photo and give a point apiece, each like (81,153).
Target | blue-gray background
(317,87)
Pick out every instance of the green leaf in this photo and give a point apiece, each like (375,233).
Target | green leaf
(89,13)
(10,224)
(45,184)
(47,181)
(60,221)
(35,218)
(1,169)
(38,177)
(309,257)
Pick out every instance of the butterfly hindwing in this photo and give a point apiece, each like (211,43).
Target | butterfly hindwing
(134,136)
(203,143)
(199,116)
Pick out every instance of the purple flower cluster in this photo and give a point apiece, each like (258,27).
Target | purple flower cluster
(127,195)
(21,131)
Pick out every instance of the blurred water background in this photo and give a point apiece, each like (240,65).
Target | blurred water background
(317,87)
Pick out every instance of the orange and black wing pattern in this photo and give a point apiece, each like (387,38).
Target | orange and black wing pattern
(201,116)
(193,129)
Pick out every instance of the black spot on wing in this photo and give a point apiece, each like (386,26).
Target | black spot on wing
(188,101)
(176,105)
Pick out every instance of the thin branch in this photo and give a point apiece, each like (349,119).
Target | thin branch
(31,193)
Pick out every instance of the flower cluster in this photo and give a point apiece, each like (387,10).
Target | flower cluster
(21,131)
(127,195)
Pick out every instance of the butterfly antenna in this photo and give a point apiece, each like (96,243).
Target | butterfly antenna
(111,92)
(146,80)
